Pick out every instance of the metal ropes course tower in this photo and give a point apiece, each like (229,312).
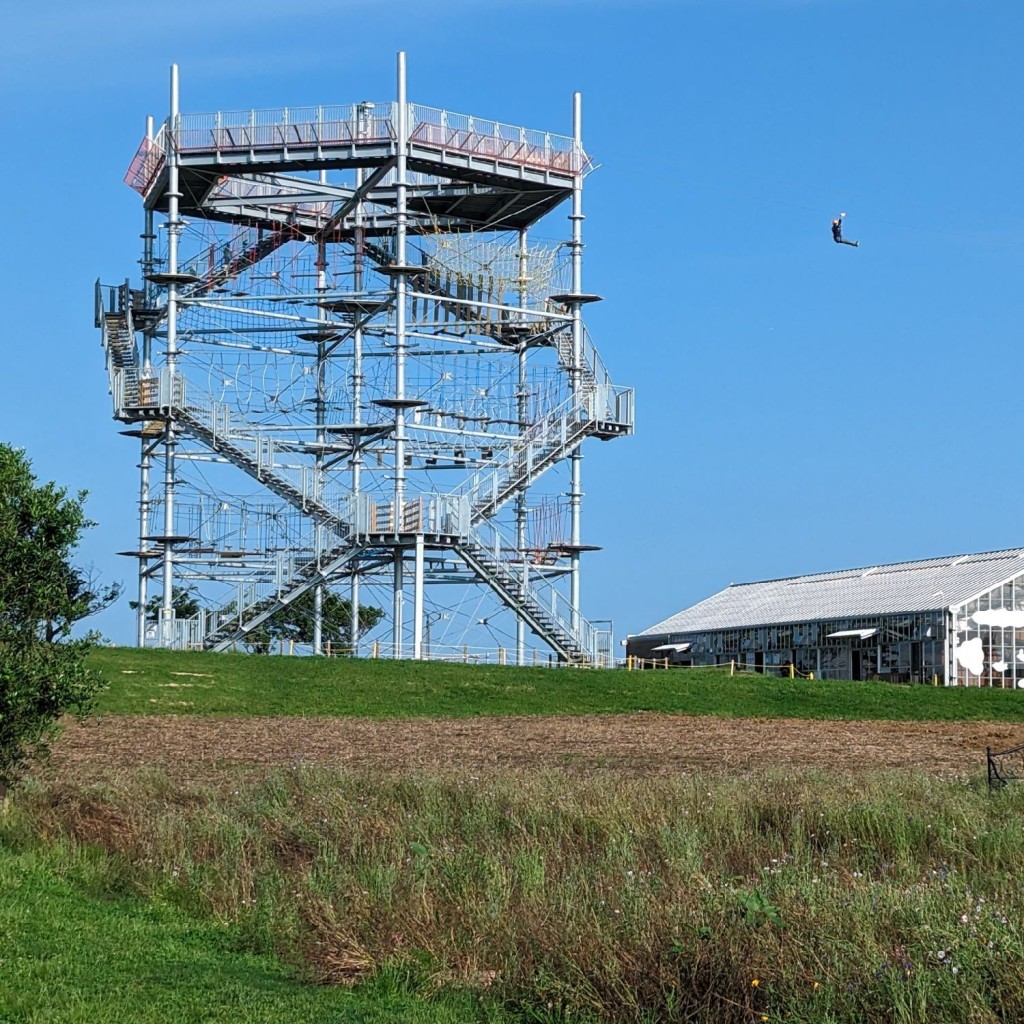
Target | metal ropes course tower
(353,368)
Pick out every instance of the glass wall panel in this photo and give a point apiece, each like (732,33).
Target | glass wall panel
(898,648)
(988,640)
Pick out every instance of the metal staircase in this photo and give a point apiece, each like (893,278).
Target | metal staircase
(260,608)
(547,442)
(500,566)
(534,597)
(232,266)
(254,453)
(118,339)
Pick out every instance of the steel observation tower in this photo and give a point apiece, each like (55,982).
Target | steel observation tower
(355,363)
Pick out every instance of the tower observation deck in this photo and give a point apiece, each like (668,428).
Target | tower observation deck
(355,366)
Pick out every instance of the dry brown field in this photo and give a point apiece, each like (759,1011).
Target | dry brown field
(632,744)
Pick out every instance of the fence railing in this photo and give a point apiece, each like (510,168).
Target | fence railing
(316,127)
(433,514)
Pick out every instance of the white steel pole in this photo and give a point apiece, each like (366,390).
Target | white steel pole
(321,438)
(417,600)
(173,231)
(948,646)
(145,460)
(402,148)
(521,411)
(397,623)
(576,460)
(357,392)
(143,594)
(148,237)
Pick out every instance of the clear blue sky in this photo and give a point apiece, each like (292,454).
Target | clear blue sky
(801,406)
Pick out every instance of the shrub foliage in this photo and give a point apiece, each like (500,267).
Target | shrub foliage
(43,673)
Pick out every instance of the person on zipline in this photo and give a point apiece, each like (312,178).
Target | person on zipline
(837,231)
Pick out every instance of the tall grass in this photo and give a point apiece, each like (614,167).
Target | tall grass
(72,951)
(799,898)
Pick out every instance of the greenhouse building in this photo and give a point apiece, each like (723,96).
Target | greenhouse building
(956,621)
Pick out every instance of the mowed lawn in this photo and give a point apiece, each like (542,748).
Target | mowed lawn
(155,682)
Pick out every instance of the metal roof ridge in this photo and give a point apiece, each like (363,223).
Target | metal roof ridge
(865,569)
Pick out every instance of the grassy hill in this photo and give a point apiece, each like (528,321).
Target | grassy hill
(151,682)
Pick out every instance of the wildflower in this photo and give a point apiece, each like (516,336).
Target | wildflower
(755,983)
(816,985)
(956,969)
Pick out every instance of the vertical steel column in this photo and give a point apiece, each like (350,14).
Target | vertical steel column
(398,586)
(399,284)
(145,459)
(357,385)
(576,459)
(148,266)
(948,646)
(521,411)
(170,441)
(417,600)
(321,439)
(143,593)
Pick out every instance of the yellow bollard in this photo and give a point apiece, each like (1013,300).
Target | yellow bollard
(376,648)
(732,666)
(791,672)
(810,676)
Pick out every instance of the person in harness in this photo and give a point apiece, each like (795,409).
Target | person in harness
(837,231)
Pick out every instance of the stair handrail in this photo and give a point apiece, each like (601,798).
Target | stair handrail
(557,429)
(537,586)
(300,485)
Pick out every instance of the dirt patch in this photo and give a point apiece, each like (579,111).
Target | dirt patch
(634,744)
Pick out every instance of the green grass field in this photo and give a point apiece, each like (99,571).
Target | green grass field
(799,897)
(75,951)
(153,682)
(537,899)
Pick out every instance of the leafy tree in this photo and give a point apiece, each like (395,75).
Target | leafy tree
(42,668)
(295,623)
(86,596)
(183,601)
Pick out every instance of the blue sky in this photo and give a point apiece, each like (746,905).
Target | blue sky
(801,406)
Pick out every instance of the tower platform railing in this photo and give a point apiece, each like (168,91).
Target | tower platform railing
(223,134)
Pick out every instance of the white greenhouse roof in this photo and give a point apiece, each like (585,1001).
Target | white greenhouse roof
(874,590)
